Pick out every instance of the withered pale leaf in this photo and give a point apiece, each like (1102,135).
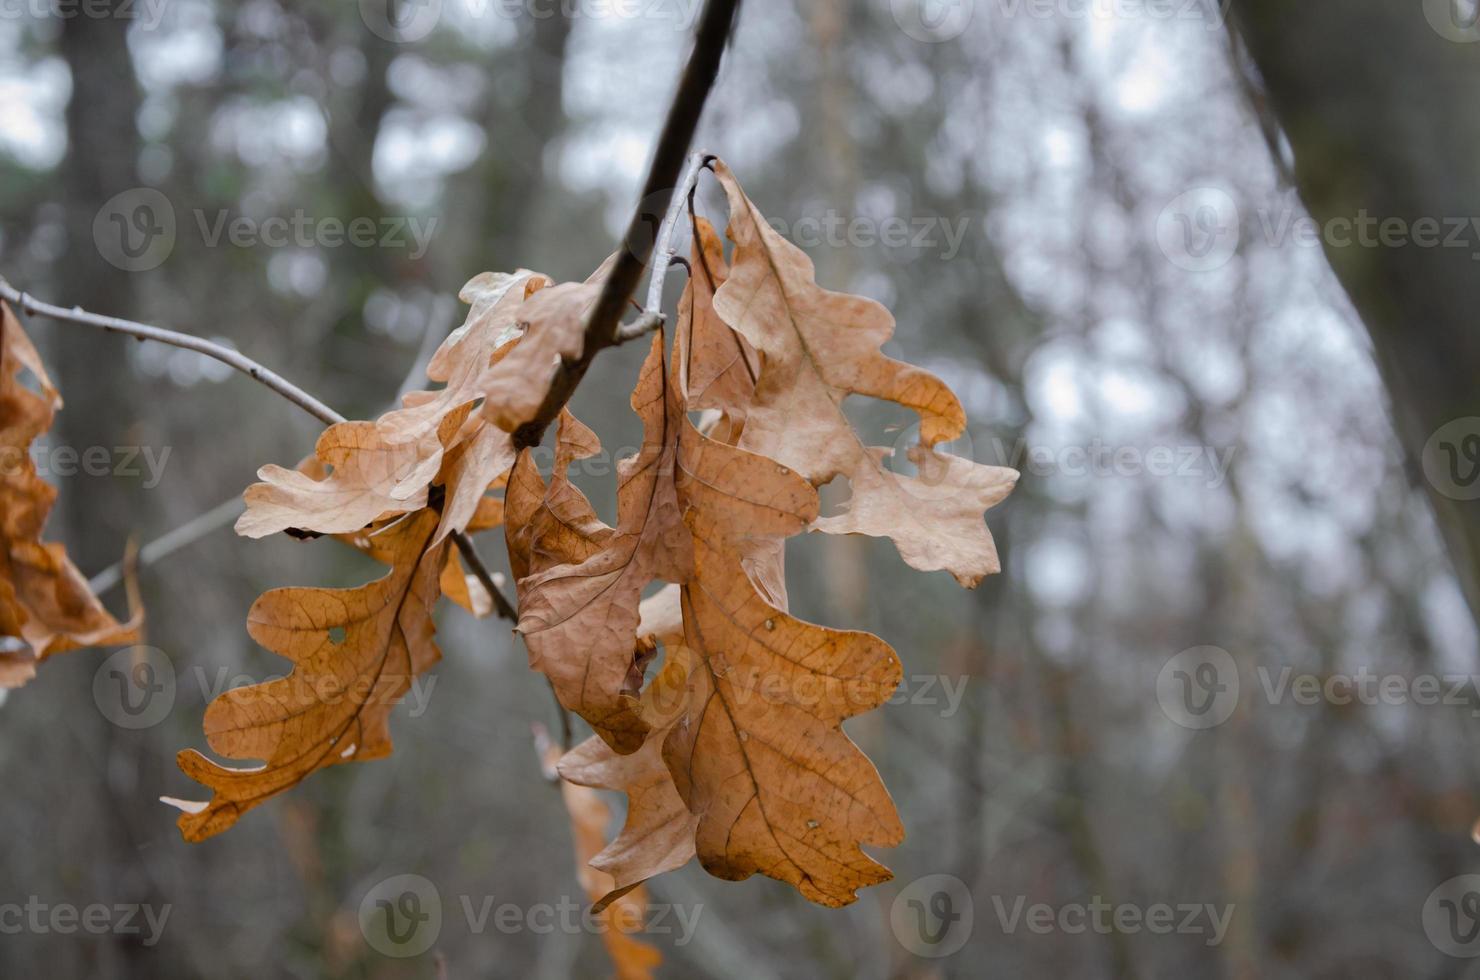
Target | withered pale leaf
(554,323)
(355,653)
(369,470)
(817,347)
(477,463)
(368,476)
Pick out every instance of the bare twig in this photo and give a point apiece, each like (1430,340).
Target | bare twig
(602,330)
(666,248)
(252,369)
(144,331)
(501,605)
(169,543)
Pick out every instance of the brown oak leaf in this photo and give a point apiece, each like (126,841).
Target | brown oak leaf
(45,603)
(817,347)
(759,753)
(355,653)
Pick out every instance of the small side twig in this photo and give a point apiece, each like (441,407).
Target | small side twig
(666,248)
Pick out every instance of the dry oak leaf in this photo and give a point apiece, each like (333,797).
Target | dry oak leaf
(759,753)
(369,476)
(369,470)
(45,603)
(624,914)
(580,619)
(467,365)
(554,329)
(355,653)
(658,834)
(817,347)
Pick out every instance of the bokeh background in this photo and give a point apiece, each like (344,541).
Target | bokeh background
(1082,216)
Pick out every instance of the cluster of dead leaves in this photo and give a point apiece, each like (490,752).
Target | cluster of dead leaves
(46,606)
(733,749)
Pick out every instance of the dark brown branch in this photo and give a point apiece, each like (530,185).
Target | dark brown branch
(501,605)
(602,330)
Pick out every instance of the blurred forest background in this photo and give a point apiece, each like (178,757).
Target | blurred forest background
(1042,165)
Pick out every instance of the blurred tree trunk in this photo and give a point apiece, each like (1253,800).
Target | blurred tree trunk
(1374,99)
(99,512)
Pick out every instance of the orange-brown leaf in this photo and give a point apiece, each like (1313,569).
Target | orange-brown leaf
(658,834)
(759,754)
(44,601)
(355,653)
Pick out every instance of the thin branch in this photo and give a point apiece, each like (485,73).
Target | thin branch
(602,330)
(170,542)
(144,331)
(501,605)
(252,369)
(666,247)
